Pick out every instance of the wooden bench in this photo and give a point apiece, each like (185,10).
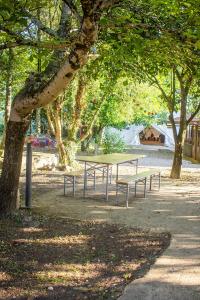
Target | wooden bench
(126,183)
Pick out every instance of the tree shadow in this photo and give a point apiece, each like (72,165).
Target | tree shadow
(80,260)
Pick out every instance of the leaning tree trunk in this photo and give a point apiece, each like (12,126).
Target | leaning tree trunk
(8,101)
(15,136)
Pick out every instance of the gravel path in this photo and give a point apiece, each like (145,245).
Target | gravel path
(160,157)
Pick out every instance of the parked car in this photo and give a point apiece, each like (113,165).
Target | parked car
(42,141)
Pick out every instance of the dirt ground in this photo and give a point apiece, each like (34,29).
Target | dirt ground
(144,213)
(68,259)
(175,209)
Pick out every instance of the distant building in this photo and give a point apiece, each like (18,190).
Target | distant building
(192,140)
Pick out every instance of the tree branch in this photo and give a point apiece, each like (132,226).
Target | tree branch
(171,118)
(94,117)
(36,44)
(39,24)
(73,9)
(39,92)
(193,114)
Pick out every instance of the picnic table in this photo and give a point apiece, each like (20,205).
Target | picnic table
(92,162)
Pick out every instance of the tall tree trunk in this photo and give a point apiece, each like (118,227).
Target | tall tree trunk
(54,120)
(8,97)
(178,157)
(74,122)
(71,149)
(58,134)
(15,136)
(8,101)
(38,121)
(180,138)
(50,121)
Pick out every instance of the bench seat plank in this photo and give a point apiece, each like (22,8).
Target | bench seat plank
(130,179)
(124,184)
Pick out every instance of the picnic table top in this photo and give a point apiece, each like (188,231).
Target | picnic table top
(110,159)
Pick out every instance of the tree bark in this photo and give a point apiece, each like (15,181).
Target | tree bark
(177,160)
(180,138)
(8,101)
(58,133)
(71,149)
(8,96)
(54,120)
(50,121)
(38,121)
(11,168)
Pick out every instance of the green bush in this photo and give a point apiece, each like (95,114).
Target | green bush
(112,142)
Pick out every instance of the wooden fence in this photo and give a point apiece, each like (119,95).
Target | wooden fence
(192,141)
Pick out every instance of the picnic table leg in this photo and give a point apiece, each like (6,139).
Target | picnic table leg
(145,187)
(117,175)
(94,180)
(135,189)
(159,180)
(136,166)
(85,179)
(116,193)
(64,185)
(150,187)
(107,181)
(127,196)
(74,180)
(110,175)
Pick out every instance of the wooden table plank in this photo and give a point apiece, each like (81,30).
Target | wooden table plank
(111,159)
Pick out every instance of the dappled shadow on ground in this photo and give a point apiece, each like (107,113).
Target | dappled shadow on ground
(63,258)
(175,206)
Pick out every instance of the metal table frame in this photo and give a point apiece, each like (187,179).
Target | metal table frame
(107,161)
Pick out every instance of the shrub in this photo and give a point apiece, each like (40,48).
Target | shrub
(112,142)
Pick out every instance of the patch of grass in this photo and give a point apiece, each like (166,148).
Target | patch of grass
(49,258)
